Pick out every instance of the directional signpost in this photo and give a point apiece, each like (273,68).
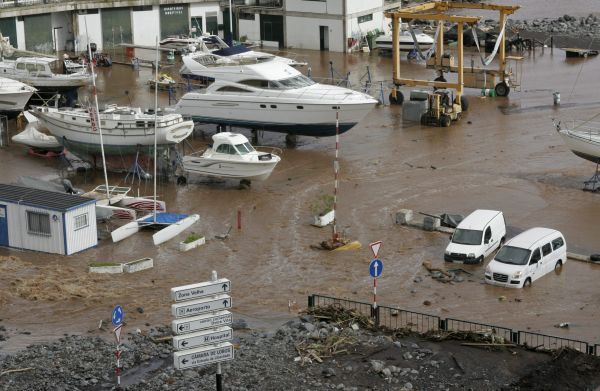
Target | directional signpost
(117,321)
(202,324)
(375,270)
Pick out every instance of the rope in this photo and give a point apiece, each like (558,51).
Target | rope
(429,51)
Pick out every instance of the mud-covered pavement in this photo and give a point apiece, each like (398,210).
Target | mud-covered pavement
(505,155)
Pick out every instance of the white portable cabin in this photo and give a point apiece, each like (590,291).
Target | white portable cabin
(46,221)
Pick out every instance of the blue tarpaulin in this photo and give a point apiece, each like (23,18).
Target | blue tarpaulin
(165,218)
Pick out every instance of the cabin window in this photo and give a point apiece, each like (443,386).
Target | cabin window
(38,223)
(102,123)
(87,120)
(81,221)
(255,83)
(21,66)
(40,68)
(30,67)
(226,148)
(273,106)
(232,89)
(335,107)
(151,124)
(263,106)
(244,148)
(140,124)
(74,118)
(365,18)
(300,107)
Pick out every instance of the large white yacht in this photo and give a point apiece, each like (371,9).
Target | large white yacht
(268,96)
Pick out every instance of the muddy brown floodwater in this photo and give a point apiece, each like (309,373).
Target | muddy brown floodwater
(504,154)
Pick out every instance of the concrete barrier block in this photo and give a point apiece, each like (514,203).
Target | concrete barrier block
(106,268)
(431,223)
(138,265)
(404,216)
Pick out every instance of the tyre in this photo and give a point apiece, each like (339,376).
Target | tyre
(558,267)
(464,103)
(445,121)
(424,120)
(527,283)
(502,89)
(398,99)
(181,180)
(480,260)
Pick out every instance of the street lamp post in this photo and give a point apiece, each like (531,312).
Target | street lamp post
(231,21)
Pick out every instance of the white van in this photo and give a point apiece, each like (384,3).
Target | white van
(476,237)
(527,257)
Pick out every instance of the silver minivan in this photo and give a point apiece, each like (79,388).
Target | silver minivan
(527,257)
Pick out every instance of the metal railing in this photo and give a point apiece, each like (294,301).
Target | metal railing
(550,342)
(396,319)
(463,325)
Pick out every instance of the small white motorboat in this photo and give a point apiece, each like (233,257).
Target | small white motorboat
(33,138)
(231,156)
(384,42)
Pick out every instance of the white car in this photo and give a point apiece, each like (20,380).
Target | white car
(476,237)
(527,257)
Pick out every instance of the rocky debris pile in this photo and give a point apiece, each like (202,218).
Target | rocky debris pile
(364,359)
(567,25)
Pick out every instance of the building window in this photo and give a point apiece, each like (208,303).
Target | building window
(38,223)
(246,16)
(81,221)
(365,18)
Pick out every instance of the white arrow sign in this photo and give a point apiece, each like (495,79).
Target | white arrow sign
(195,291)
(200,306)
(193,340)
(194,323)
(203,356)
(375,246)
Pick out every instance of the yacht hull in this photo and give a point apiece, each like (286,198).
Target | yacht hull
(255,171)
(298,118)
(582,144)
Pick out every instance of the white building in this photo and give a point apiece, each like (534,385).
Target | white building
(335,25)
(46,221)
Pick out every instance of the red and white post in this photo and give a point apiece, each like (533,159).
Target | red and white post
(336,166)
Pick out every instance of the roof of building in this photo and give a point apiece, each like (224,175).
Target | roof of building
(44,199)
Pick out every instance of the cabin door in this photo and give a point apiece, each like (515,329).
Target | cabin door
(3,226)
(323,37)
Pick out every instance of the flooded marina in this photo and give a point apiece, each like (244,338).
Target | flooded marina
(505,154)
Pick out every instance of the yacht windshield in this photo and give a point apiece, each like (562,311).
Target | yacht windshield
(513,255)
(291,82)
(467,236)
(244,148)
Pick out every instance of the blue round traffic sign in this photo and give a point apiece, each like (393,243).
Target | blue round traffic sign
(117,315)
(376,268)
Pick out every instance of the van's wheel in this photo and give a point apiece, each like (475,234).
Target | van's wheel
(464,103)
(527,283)
(558,266)
(480,260)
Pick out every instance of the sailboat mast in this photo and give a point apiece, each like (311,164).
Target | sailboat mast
(155,125)
(95,114)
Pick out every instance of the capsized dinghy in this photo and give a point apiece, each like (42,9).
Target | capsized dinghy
(173,224)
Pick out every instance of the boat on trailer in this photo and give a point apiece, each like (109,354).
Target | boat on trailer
(583,139)
(231,156)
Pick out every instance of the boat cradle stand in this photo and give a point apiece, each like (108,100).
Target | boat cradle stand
(593,184)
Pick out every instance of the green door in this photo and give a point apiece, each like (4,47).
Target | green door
(38,33)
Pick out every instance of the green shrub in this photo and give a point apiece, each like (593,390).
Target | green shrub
(191,238)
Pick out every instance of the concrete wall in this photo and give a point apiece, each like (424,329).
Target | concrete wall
(200,9)
(18,236)
(353,6)
(250,28)
(140,20)
(83,238)
(94,31)
(303,33)
(333,7)
(355,29)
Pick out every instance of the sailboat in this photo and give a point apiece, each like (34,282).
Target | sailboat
(583,139)
(170,224)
